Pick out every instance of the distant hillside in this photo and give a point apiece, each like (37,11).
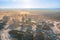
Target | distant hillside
(53,16)
(49,14)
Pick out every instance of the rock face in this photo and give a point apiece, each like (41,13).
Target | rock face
(42,32)
(1,26)
(3,21)
(4,35)
(21,35)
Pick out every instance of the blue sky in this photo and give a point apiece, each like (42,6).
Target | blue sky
(29,3)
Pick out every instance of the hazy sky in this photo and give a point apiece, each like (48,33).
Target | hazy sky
(29,3)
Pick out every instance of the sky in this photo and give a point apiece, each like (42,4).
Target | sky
(29,3)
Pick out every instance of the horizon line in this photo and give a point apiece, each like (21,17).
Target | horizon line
(30,8)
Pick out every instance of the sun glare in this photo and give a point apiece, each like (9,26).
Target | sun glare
(25,0)
(27,4)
